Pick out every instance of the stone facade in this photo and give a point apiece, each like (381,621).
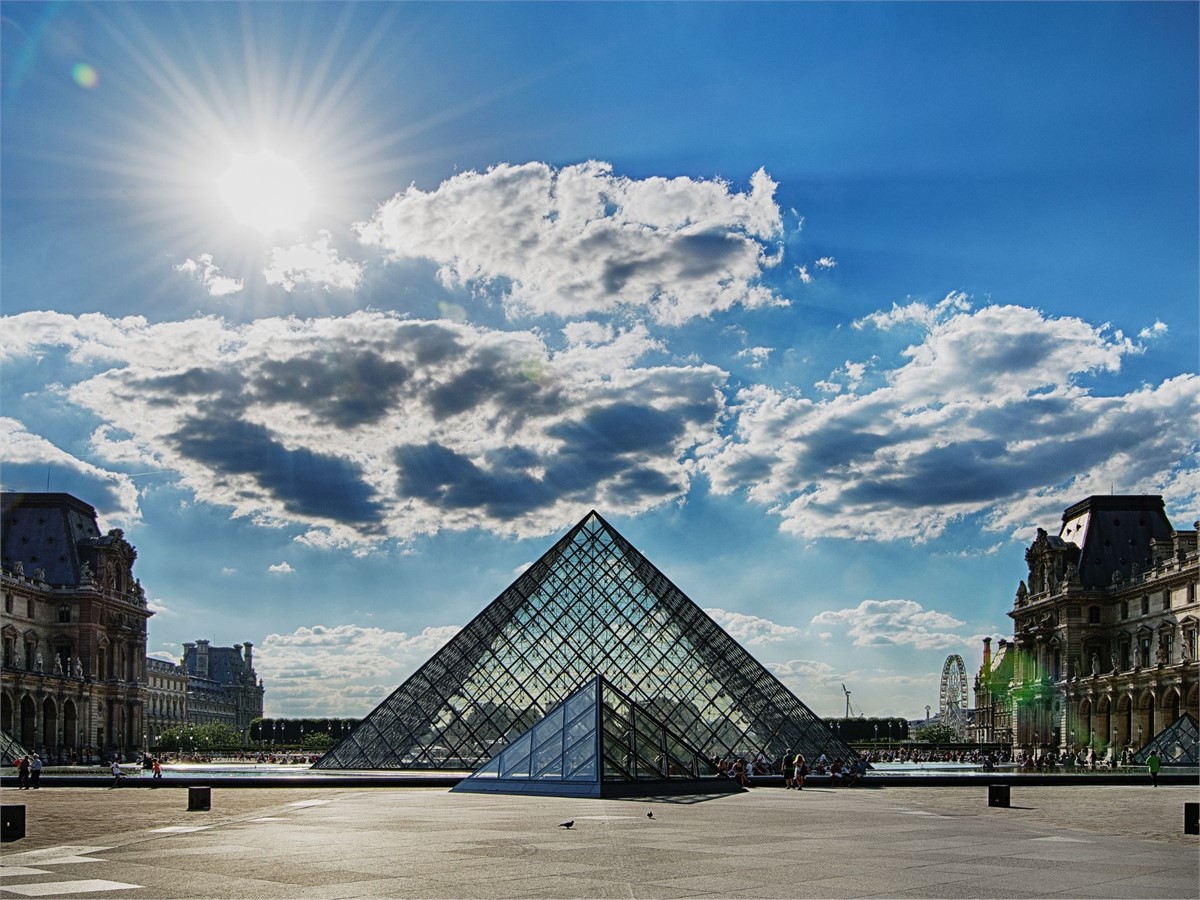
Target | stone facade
(166,696)
(73,628)
(222,685)
(1104,653)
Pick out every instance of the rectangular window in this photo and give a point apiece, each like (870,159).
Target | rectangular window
(1093,615)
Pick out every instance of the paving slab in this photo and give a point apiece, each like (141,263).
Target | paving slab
(1120,841)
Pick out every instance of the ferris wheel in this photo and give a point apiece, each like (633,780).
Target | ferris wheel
(953,696)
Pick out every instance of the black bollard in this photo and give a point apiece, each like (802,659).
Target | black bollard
(199,799)
(998,795)
(1191,818)
(12,822)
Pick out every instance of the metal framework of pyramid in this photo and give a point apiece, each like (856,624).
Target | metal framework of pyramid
(598,743)
(10,748)
(592,605)
(1178,744)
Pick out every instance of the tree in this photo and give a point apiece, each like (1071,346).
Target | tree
(318,741)
(936,734)
(200,737)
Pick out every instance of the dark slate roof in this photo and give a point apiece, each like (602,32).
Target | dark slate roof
(225,664)
(1119,533)
(43,531)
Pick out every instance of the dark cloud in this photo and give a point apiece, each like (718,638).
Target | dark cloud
(440,475)
(345,388)
(620,428)
(304,482)
(194,382)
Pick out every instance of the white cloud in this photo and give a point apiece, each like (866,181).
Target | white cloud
(986,416)
(1151,332)
(803,274)
(281,568)
(577,240)
(315,263)
(752,630)
(758,356)
(826,262)
(917,313)
(348,668)
(370,427)
(32,461)
(205,271)
(895,622)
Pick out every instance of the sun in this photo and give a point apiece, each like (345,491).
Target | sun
(266,192)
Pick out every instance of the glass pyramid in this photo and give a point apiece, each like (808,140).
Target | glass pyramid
(10,749)
(1178,744)
(598,743)
(592,605)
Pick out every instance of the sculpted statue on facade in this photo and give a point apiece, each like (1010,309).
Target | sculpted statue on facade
(77,668)
(58,669)
(1095,664)
(38,663)
(39,574)
(18,568)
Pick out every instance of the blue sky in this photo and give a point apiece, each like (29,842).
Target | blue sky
(344,312)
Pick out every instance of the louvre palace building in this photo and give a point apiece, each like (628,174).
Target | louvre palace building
(76,678)
(73,626)
(1104,647)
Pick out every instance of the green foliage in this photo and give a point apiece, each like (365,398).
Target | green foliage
(874,729)
(936,734)
(319,741)
(284,732)
(200,737)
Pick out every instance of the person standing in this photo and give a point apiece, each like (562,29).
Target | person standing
(35,772)
(116,772)
(1153,763)
(23,773)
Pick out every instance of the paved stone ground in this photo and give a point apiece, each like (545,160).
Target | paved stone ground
(1093,841)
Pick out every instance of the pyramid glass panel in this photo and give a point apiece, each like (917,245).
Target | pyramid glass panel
(592,605)
(1178,744)
(641,756)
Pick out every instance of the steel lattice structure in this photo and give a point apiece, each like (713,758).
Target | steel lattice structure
(592,605)
(953,695)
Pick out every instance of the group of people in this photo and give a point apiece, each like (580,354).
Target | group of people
(793,767)
(29,771)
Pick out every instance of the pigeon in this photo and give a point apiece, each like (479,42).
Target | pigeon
(649,815)
(569,824)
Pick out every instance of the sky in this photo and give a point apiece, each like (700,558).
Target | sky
(345,312)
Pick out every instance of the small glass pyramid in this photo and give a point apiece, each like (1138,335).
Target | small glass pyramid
(592,605)
(598,743)
(1178,744)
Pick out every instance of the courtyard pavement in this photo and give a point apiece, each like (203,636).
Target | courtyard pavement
(1078,841)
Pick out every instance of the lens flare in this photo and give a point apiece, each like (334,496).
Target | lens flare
(84,75)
